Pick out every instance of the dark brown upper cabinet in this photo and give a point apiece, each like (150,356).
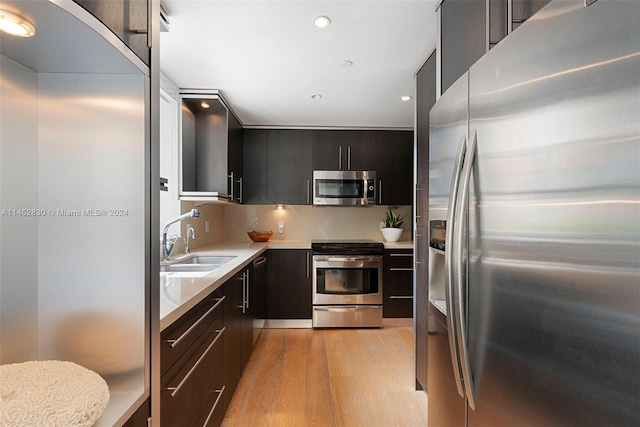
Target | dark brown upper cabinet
(127,19)
(394,167)
(212,143)
(289,166)
(468,29)
(255,167)
(279,163)
(277,166)
(343,150)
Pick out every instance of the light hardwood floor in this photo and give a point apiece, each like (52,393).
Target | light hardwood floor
(329,377)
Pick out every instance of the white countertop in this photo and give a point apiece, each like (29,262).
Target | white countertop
(179,292)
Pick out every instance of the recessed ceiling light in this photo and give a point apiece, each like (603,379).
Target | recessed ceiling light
(405,98)
(316,96)
(322,21)
(346,64)
(205,104)
(15,25)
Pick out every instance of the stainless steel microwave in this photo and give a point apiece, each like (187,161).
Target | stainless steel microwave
(344,188)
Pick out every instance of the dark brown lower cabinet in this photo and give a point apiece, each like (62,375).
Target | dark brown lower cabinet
(204,353)
(140,417)
(289,284)
(191,363)
(397,283)
(238,342)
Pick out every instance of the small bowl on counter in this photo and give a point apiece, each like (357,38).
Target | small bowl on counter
(260,236)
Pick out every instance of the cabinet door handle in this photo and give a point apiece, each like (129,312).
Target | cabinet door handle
(349,157)
(340,158)
(418,218)
(240,182)
(401,297)
(247,286)
(401,255)
(308,191)
(174,390)
(308,273)
(231,186)
(215,404)
(380,192)
(401,269)
(196,323)
(244,293)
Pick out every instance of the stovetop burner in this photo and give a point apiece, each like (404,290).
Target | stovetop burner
(347,247)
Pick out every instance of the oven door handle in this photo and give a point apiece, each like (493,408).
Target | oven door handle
(346,308)
(344,265)
(347,258)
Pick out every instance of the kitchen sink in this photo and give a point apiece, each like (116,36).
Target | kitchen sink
(197,263)
(205,259)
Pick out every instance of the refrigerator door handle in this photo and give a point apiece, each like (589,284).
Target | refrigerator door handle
(461,245)
(449,261)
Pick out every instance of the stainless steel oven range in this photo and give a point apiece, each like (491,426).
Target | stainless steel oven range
(347,283)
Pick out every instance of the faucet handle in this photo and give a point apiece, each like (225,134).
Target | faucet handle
(171,241)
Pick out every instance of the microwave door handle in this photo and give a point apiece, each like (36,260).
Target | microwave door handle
(449,271)
(461,247)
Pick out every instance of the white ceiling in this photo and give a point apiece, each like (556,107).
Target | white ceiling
(268,58)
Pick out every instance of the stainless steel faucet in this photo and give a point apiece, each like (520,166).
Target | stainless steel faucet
(167,245)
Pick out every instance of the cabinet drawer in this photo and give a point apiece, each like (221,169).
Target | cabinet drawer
(177,338)
(398,306)
(398,259)
(185,385)
(211,413)
(397,288)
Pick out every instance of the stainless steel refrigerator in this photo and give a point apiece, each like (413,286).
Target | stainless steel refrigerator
(534,215)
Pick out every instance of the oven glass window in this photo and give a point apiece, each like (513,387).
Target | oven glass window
(340,188)
(347,281)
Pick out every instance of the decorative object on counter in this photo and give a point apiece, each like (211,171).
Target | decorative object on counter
(260,236)
(51,393)
(391,227)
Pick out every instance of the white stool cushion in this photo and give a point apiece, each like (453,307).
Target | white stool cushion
(50,393)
